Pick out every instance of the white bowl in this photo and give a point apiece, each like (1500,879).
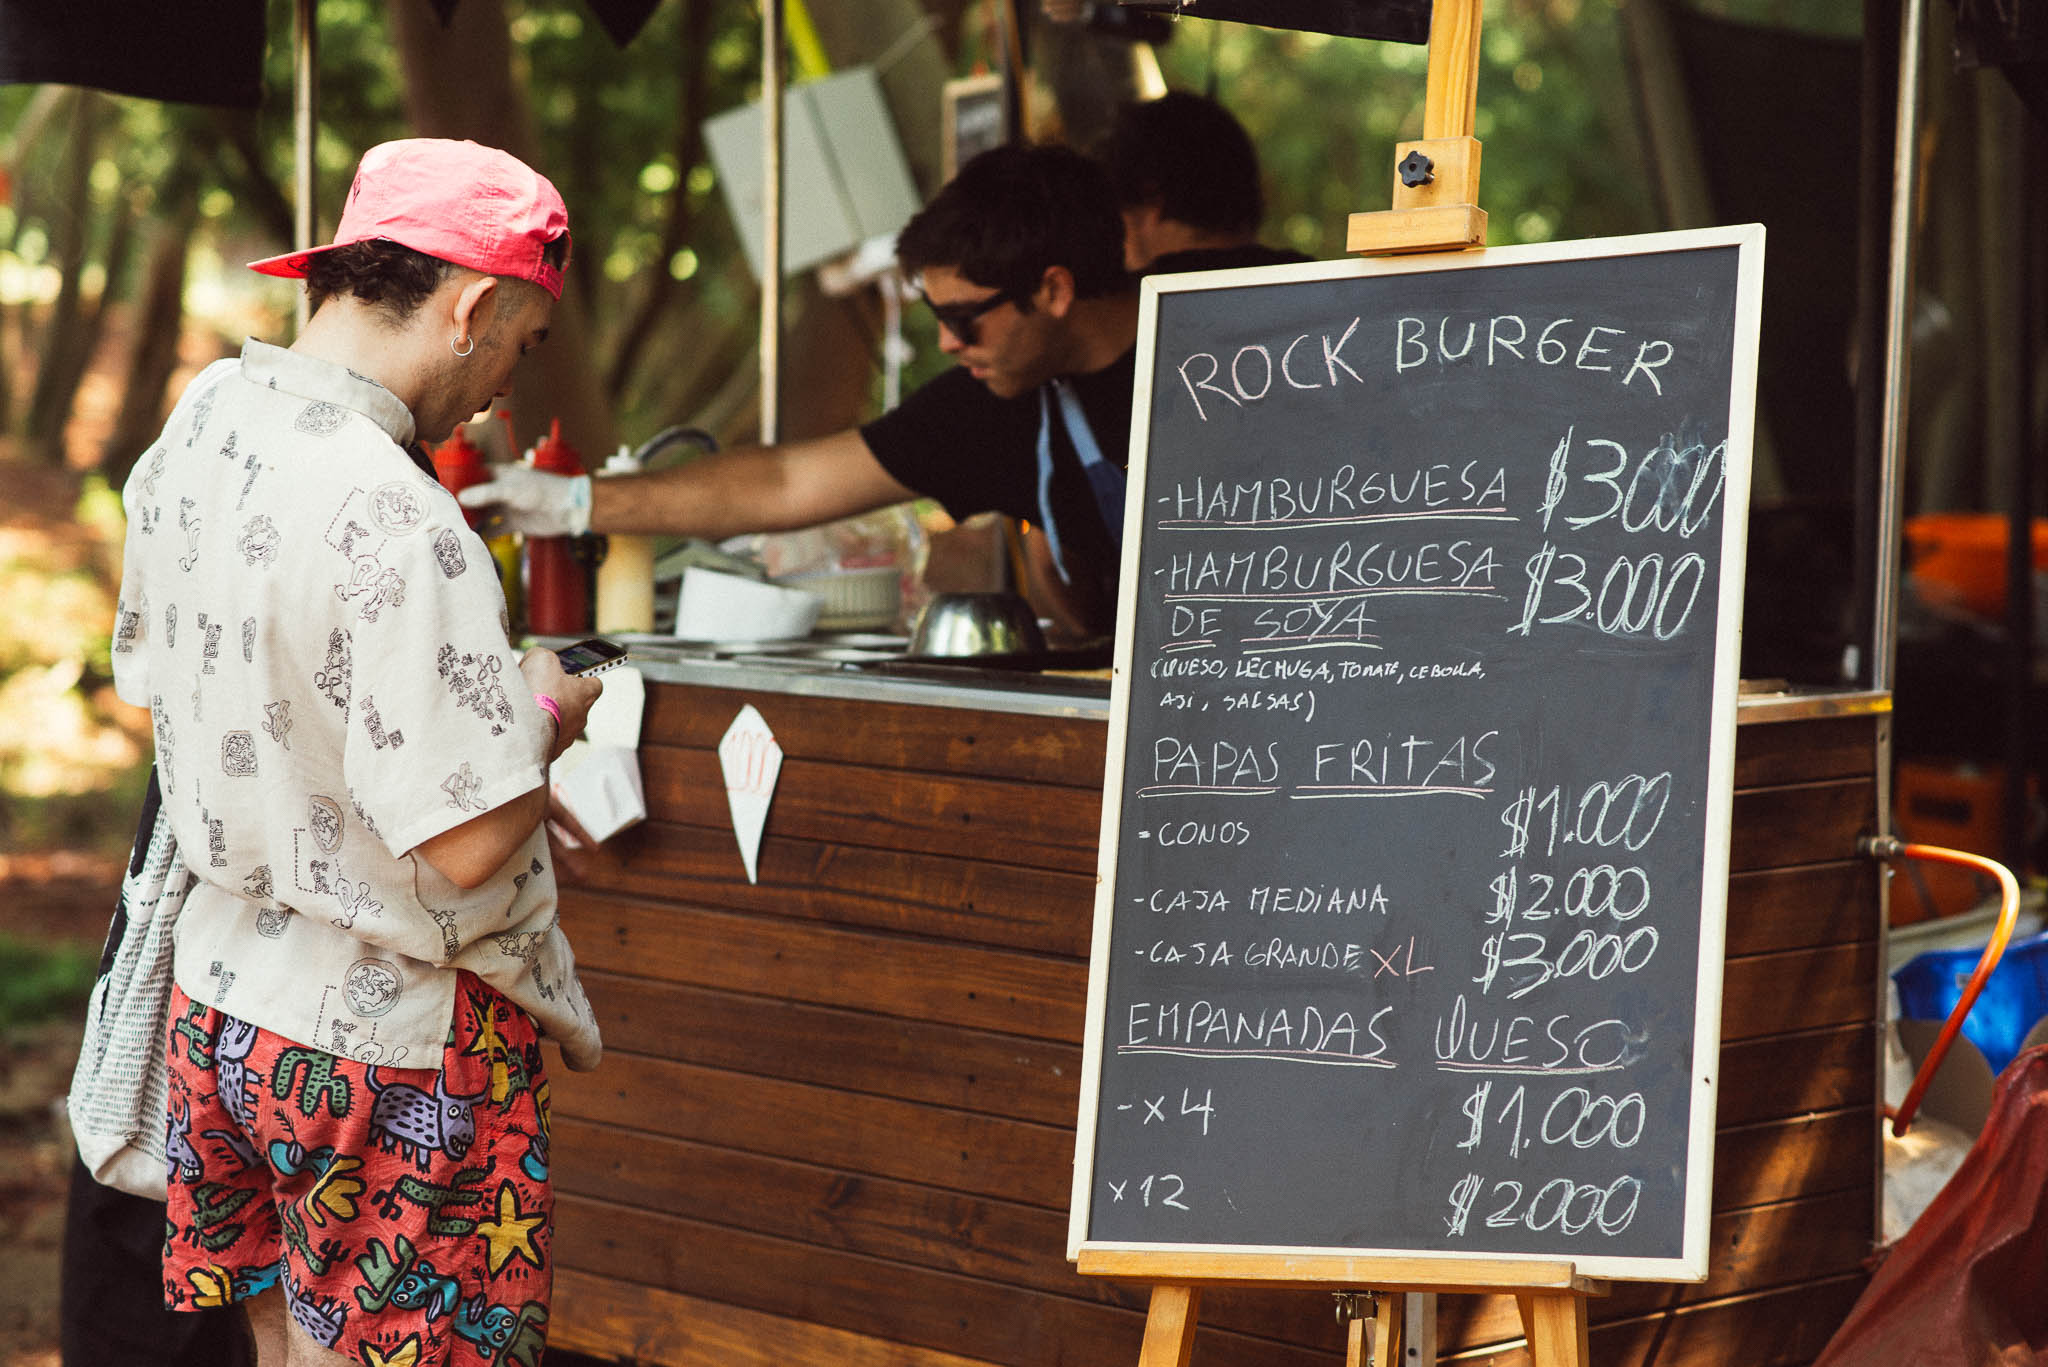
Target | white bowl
(855,600)
(724,607)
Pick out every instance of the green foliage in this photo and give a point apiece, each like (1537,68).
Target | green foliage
(40,981)
(1554,115)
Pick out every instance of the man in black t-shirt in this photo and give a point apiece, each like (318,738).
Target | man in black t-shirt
(1021,257)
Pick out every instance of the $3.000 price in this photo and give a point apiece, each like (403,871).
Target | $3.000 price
(1638,594)
(1589,953)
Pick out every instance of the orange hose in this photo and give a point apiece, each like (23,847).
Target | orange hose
(2008,915)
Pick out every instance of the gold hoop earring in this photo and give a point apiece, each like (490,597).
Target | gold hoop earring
(470,340)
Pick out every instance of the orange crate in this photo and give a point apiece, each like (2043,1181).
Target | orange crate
(1959,806)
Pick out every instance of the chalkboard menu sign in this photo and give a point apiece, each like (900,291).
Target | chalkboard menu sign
(1415,832)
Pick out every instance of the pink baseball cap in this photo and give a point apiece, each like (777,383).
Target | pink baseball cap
(475,206)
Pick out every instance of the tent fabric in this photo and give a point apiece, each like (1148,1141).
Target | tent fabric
(1963,1287)
(192,52)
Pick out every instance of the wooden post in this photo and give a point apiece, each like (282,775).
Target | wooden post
(1170,1326)
(1436,179)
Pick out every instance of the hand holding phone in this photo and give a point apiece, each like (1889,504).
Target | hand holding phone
(593,655)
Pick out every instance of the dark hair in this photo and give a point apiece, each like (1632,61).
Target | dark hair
(380,273)
(391,277)
(1015,210)
(1189,156)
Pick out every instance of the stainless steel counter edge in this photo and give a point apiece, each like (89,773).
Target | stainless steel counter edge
(1050,695)
(1038,695)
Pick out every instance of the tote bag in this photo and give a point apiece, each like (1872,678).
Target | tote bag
(118,1090)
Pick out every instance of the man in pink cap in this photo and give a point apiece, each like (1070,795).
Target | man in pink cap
(354,761)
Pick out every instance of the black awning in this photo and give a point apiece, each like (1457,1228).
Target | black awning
(1397,21)
(190,52)
(193,52)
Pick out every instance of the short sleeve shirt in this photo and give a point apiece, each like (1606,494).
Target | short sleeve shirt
(321,642)
(954,441)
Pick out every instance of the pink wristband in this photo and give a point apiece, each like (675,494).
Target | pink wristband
(551,707)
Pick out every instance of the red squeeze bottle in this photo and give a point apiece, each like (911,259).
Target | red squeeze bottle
(458,464)
(557,587)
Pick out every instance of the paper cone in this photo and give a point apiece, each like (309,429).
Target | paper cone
(752,761)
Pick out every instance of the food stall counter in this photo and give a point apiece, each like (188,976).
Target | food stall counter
(835,1117)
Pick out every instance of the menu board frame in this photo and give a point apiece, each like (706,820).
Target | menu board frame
(1690,1264)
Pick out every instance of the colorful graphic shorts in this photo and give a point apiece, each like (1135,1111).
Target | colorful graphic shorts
(406,1212)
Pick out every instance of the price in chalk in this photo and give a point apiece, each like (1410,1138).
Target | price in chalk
(1593,891)
(1672,488)
(1580,1118)
(1561,1204)
(1529,961)
(1624,813)
(1638,595)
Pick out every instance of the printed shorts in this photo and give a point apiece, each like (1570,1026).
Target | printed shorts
(406,1212)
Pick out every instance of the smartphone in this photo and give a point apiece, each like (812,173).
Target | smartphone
(593,655)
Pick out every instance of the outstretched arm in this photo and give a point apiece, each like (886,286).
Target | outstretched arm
(749,489)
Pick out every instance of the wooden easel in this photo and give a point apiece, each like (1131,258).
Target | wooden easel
(1436,180)
(1551,1295)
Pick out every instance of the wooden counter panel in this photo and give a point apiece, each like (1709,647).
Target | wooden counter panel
(1749,1251)
(876,1297)
(878,1136)
(1763,1246)
(1801,989)
(1803,751)
(1783,1328)
(1806,823)
(880,1217)
(972,1070)
(1835,1069)
(999,820)
(947,896)
(952,984)
(627,1322)
(1807,1155)
(1802,907)
(939,740)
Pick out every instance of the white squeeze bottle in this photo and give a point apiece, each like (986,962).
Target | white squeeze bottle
(625,578)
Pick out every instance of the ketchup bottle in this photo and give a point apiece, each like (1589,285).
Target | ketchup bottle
(459,464)
(557,586)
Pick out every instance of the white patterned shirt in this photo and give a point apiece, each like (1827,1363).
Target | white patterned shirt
(322,646)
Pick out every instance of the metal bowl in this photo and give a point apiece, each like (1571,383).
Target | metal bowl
(966,624)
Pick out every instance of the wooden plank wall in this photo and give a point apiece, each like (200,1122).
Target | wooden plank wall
(835,1118)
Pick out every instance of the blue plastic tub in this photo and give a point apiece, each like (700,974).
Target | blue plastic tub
(1931,984)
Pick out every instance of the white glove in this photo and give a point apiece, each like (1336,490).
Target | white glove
(520,498)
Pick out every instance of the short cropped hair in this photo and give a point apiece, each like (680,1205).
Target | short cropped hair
(1016,210)
(390,277)
(1190,157)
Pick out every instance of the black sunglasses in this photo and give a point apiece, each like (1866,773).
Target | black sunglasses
(964,320)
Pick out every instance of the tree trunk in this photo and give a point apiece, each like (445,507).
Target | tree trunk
(657,286)
(459,84)
(65,345)
(158,327)
(27,132)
